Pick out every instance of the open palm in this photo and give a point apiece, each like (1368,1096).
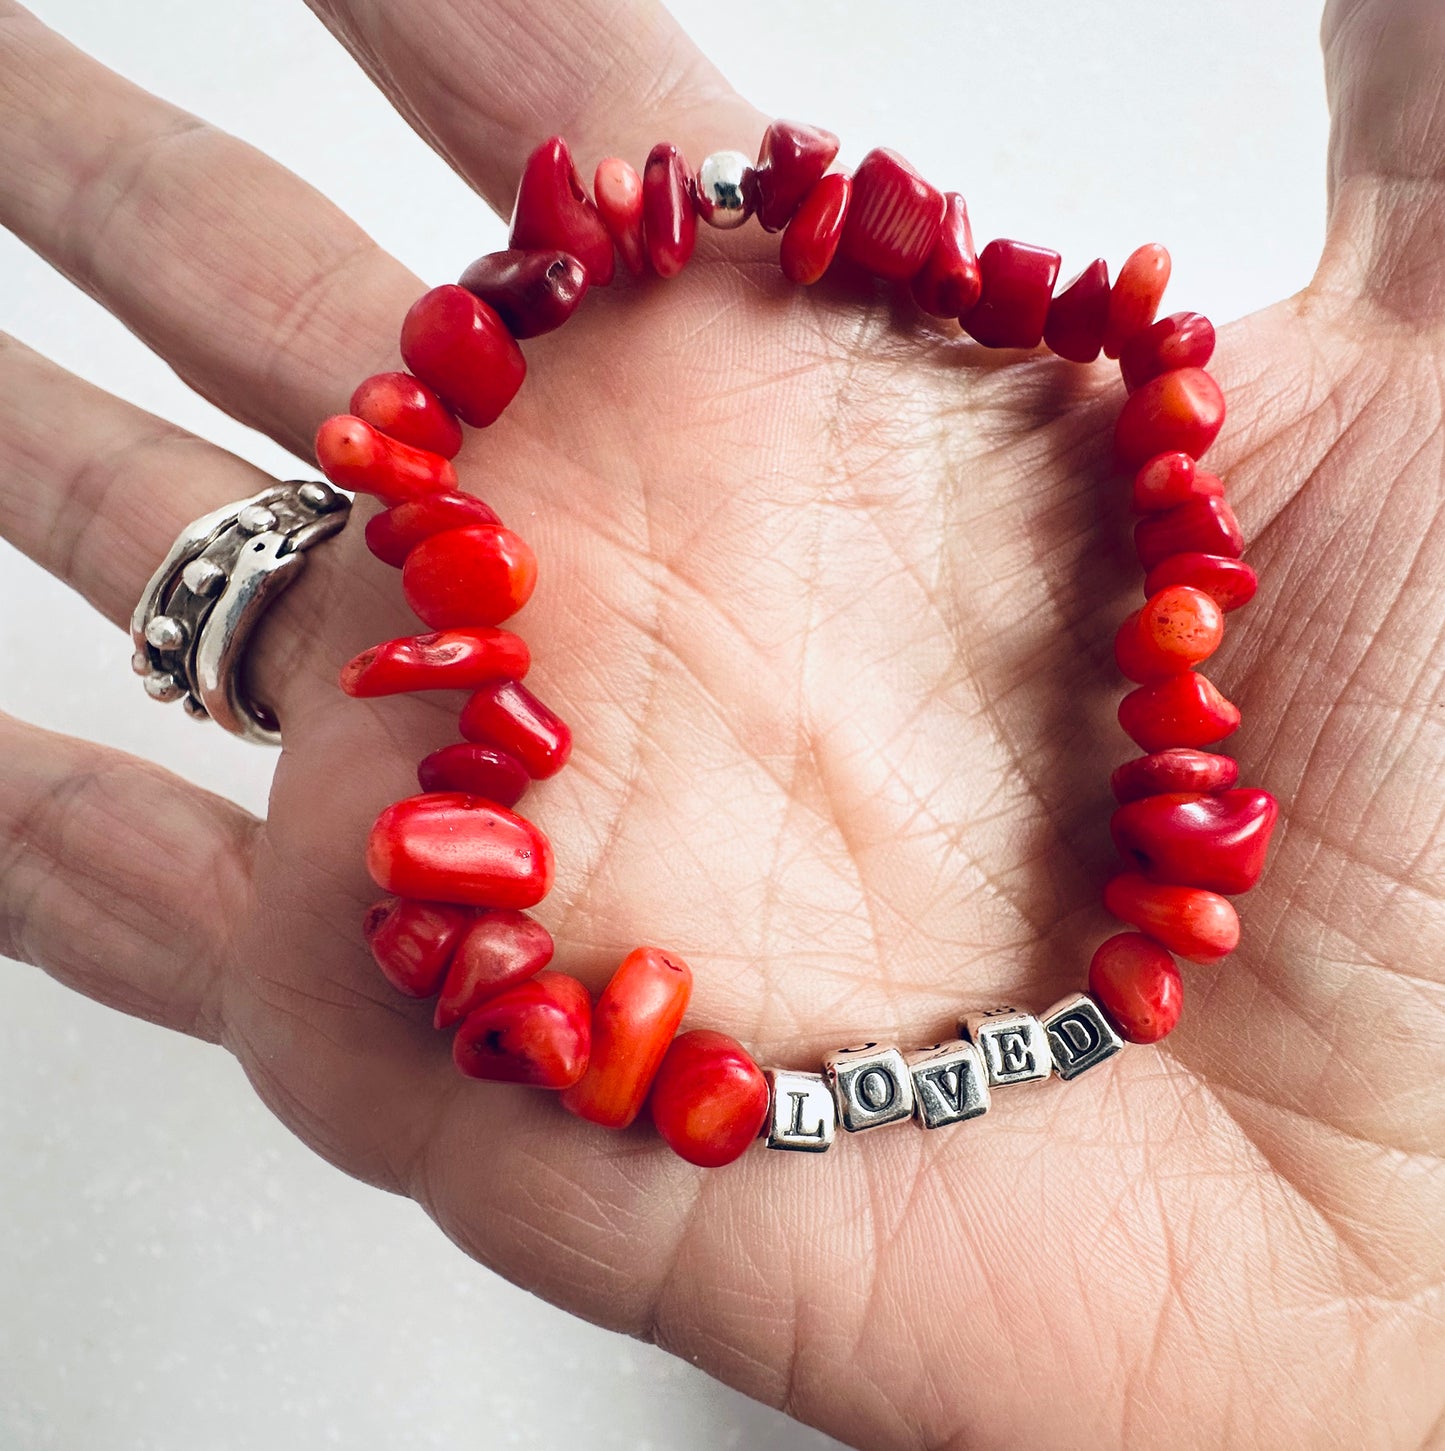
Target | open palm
(828,596)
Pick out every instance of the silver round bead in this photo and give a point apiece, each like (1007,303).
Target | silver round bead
(203,577)
(724,184)
(316,496)
(255,519)
(140,662)
(165,633)
(164,687)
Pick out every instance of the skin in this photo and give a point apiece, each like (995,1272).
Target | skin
(844,702)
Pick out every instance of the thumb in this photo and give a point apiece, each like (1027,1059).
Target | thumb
(1384,65)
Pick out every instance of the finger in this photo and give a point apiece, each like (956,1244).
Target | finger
(1383,61)
(119,879)
(485,82)
(253,287)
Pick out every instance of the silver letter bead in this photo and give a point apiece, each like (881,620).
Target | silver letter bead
(872,1086)
(800,1112)
(1014,1045)
(1079,1035)
(950,1083)
(723,183)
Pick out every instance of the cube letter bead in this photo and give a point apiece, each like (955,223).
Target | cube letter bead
(872,1086)
(800,1112)
(950,1083)
(1014,1046)
(1079,1035)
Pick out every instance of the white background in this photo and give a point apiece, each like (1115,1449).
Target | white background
(176,1272)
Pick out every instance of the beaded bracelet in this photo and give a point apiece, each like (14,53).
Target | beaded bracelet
(463,867)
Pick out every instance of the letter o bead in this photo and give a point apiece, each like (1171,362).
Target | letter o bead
(871,1084)
(800,1112)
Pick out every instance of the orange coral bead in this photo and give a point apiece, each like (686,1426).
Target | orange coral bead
(1138,291)
(1190,921)
(1177,629)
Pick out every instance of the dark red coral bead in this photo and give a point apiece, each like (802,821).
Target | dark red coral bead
(791,160)
(538,1033)
(1218,842)
(811,239)
(669,223)
(532,292)
(1018,283)
(1181,340)
(394,533)
(475,770)
(553,213)
(507,715)
(459,347)
(1202,526)
(1178,769)
(497,949)
(894,217)
(949,283)
(1074,325)
(413,941)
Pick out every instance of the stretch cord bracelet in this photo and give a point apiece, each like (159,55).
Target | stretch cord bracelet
(463,868)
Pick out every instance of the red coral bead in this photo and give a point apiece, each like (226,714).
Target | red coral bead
(894,217)
(532,292)
(1181,340)
(553,213)
(412,942)
(1179,769)
(632,1025)
(1137,984)
(448,847)
(1137,293)
(709,1098)
(507,715)
(669,224)
(791,161)
(1202,526)
(498,949)
(458,659)
(404,408)
(457,345)
(1169,480)
(475,770)
(618,190)
(811,240)
(1184,710)
(1192,923)
(479,575)
(1180,411)
(537,1033)
(1075,322)
(1018,282)
(1230,583)
(354,455)
(1217,842)
(394,533)
(950,282)
(1177,629)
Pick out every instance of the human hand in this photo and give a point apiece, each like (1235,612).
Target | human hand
(829,601)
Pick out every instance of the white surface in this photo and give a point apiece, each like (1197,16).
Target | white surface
(176,1272)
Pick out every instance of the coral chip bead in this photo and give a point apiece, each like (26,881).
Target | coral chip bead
(476,770)
(449,847)
(404,408)
(1018,282)
(949,283)
(1218,842)
(444,660)
(1179,769)
(1180,411)
(632,1024)
(553,213)
(532,292)
(1074,325)
(618,190)
(791,161)
(412,942)
(1183,710)
(537,1033)
(1169,480)
(354,455)
(811,240)
(496,950)
(669,224)
(1204,525)
(394,533)
(507,715)
(1181,340)
(1191,922)
(894,218)
(1177,629)
(481,574)
(1230,583)
(1136,296)
(1137,984)
(458,346)
(709,1098)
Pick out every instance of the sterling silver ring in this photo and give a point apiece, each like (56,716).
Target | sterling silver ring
(196,616)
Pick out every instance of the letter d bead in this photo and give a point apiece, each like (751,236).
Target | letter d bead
(1079,1035)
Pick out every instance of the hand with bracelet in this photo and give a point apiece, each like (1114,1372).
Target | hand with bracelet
(846,604)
